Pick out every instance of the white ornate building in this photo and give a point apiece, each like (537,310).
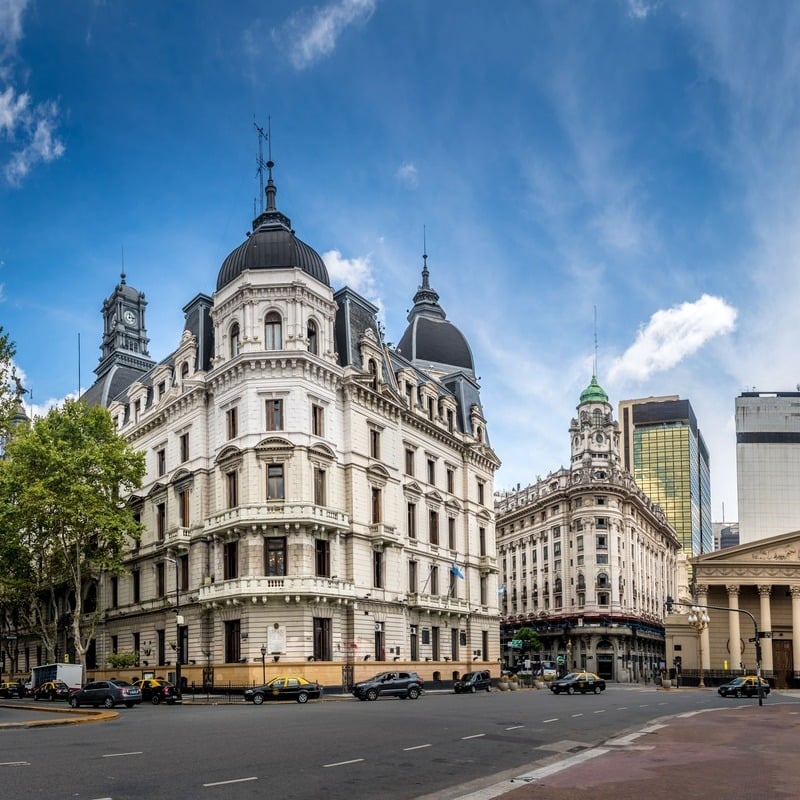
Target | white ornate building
(309,489)
(586,559)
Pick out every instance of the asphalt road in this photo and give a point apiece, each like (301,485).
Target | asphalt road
(439,745)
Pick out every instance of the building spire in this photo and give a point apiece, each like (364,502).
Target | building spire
(270,214)
(426,300)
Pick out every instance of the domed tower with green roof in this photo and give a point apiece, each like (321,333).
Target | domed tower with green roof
(594,434)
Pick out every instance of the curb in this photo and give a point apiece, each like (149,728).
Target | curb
(68,716)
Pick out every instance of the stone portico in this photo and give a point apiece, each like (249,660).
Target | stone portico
(752,585)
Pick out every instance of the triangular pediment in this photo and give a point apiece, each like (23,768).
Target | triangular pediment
(274,443)
(782,549)
(412,487)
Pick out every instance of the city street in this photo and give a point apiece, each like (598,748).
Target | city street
(335,748)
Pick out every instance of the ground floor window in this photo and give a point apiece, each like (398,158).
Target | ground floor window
(322,639)
(232,641)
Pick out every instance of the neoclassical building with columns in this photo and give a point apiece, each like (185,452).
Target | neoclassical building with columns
(752,587)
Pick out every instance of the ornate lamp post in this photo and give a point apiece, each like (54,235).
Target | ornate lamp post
(263,663)
(699,619)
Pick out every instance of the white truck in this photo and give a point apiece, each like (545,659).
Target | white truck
(71,674)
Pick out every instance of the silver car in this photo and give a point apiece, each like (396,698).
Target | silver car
(106,693)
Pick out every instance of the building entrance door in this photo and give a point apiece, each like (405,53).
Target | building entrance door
(605,666)
(783,662)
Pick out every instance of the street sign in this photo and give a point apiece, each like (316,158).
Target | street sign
(516,644)
(560,659)
(765,634)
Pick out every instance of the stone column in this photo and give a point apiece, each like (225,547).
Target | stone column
(765,624)
(705,640)
(734,630)
(796,626)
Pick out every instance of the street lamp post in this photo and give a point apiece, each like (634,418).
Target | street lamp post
(263,663)
(178,623)
(699,620)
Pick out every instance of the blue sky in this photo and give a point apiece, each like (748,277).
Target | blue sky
(633,156)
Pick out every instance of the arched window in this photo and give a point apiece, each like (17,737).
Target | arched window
(373,371)
(273,335)
(597,417)
(184,370)
(602,579)
(581,583)
(311,334)
(234,339)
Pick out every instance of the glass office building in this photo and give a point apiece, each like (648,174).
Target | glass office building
(664,449)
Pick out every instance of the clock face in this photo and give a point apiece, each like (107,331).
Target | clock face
(129,317)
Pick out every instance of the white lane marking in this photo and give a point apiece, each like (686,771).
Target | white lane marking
(418,747)
(643,705)
(622,708)
(474,736)
(498,789)
(514,727)
(115,755)
(342,763)
(15,764)
(601,711)
(578,715)
(234,780)
(554,719)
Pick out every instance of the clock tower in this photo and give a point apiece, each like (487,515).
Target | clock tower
(594,434)
(124,334)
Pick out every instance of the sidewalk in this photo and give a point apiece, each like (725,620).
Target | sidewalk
(746,752)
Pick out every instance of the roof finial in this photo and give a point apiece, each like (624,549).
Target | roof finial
(594,367)
(425,273)
(122,274)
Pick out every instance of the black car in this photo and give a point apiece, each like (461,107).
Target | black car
(744,686)
(284,687)
(106,693)
(390,684)
(578,682)
(9,689)
(474,682)
(51,690)
(157,690)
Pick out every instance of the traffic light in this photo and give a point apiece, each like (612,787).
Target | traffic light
(668,604)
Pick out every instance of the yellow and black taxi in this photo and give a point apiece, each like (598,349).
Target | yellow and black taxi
(744,686)
(578,682)
(52,690)
(157,690)
(9,689)
(284,687)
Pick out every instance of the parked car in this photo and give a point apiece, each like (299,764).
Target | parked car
(9,689)
(284,687)
(473,682)
(51,690)
(391,684)
(106,693)
(546,670)
(157,690)
(578,682)
(744,686)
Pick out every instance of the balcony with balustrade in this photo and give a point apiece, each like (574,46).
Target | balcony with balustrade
(265,516)
(437,603)
(272,589)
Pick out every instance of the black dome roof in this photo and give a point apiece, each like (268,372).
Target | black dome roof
(272,245)
(430,337)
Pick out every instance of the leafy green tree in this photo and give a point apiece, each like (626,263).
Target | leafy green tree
(8,395)
(62,486)
(530,641)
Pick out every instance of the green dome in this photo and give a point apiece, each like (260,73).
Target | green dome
(593,393)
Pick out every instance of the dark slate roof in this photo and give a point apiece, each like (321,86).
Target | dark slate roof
(111,384)
(272,245)
(429,338)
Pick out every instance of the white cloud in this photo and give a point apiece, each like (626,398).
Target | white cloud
(41,142)
(407,173)
(641,9)
(672,335)
(314,36)
(356,273)
(10,23)
(13,108)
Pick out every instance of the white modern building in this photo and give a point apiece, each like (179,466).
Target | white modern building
(586,558)
(767,464)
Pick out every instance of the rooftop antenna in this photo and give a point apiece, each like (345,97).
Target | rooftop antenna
(594,368)
(122,260)
(261,165)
